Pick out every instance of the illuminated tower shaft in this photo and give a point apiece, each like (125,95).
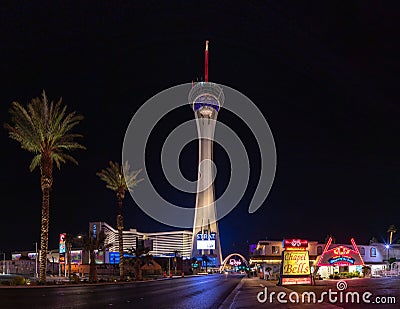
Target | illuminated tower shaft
(206,99)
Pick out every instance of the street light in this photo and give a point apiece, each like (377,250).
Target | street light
(387,246)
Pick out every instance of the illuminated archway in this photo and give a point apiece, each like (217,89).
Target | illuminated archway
(229,256)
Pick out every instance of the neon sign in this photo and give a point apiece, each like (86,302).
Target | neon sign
(340,255)
(341,259)
(296,263)
(62,243)
(234,262)
(295,244)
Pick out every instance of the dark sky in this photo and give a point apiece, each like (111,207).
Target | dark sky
(325,76)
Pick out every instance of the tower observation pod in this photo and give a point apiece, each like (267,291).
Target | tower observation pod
(206,99)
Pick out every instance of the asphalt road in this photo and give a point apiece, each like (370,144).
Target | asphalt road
(190,292)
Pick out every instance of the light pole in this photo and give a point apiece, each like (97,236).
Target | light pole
(36,258)
(387,248)
(4,263)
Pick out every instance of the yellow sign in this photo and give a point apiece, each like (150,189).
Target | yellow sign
(296,263)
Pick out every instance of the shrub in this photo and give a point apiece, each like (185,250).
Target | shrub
(18,281)
(336,276)
(75,279)
(331,276)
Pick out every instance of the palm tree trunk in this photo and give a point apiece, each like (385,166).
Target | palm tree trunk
(69,258)
(138,271)
(93,269)
(120,227)
(46,184)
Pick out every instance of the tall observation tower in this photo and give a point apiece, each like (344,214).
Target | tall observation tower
(206,100)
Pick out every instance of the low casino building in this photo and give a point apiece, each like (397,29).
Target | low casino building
(161,244)
(329,259)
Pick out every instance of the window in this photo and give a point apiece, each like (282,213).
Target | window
(275,250)
(373,252)
(362,251)
(319,250)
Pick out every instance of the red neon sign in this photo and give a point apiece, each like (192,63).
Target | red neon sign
(340,255)
(298,244)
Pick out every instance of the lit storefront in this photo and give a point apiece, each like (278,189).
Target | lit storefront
(337,259)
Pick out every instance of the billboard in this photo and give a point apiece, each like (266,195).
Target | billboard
(299,280)
(296,267)
(15,256)
(76,257)
(295,263)
(205,244)
(32,256)
(99,257)
(205,241)
(114,257)
(62,242)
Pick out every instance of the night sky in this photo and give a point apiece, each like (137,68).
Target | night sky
(325,76)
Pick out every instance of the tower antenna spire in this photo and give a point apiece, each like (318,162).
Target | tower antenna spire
(206,63)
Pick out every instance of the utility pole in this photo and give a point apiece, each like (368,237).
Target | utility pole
(36,259)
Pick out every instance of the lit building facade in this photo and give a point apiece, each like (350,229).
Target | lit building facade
(268,255)
(162,244)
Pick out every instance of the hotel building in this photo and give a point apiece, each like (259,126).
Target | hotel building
(161,244)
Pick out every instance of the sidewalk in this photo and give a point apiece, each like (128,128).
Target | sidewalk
(245,296)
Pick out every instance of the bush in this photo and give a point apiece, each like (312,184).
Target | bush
(18,281)
(331,276)
(336,276)
(349,275)
(75,279)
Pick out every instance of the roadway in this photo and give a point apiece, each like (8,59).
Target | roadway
(207,291)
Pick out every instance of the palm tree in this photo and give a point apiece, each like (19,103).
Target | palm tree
(176,252)
(206,260)
(141,256)
(68,247)
(119,178)
(92,243)
(373,240)
(44,129)
(392,229)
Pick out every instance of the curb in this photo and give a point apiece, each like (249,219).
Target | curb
(230,301)
(90,284)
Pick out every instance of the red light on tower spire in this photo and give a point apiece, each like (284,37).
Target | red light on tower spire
(206,63)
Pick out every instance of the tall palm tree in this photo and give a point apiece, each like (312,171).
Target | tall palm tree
(44,129)
(120,179)
(392,229)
